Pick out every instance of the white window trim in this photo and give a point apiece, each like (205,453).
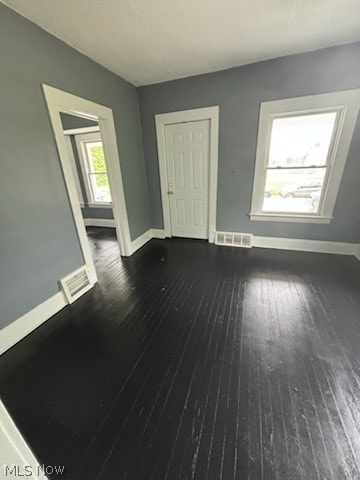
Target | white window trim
(99,205)
(80,140)
(75,171)
(348,104)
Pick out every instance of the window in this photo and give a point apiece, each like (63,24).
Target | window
(93,165)
(301,153)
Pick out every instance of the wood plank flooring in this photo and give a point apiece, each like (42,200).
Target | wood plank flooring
(191,361)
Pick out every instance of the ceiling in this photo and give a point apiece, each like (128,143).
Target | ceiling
(150,41)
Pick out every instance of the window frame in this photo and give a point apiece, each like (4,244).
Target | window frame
(81,141)
(346,104)
(75,170)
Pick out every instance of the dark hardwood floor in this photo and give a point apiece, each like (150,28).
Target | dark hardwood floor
(191,361)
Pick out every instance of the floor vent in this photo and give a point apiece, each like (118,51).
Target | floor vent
(75,284)
(233,239)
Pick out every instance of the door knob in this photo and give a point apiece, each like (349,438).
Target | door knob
(170,192)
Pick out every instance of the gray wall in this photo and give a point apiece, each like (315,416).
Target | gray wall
(70,122)
(239,92)
(38,241)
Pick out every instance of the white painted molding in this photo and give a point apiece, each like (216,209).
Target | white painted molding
(141,240)
(99,205)
(296,244)
(99,222)
(79,131)
(59,101)
(271,217)
(75,172)
(163,119)
(316,246)
(346,103)
(14,451)
(146,237)
(20,328)
(158,233)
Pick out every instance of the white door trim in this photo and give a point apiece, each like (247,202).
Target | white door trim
(59,101)
(161,120)
(81,130)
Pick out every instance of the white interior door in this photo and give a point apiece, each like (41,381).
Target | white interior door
(187,157)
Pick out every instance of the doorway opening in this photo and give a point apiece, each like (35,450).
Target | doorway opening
(91,167)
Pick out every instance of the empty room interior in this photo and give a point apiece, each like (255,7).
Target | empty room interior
(180,240)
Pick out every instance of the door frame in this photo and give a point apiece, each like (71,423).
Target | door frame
(184,116)
(59,101)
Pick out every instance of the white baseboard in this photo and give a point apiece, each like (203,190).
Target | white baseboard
(20,328)
(99,222)
(316,246)
(158,233)
(140,241)
(146,237)
(15,454)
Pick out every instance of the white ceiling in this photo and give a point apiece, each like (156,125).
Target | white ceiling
(150,41)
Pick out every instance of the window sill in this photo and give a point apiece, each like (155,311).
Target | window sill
(99,205)
(270,217)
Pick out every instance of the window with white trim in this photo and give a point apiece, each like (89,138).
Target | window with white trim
(302,149)
(93,166)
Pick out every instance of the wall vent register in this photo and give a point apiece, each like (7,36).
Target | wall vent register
(75,284)
(234,239)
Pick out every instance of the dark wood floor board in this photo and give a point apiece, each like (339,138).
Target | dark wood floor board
(228,447)
(346,413)
(195,459)
(194,400)
(331,403)
(157,369)
(109,420)
(208,451)
(328,315)
(189,371)
(139,338)
(195,362)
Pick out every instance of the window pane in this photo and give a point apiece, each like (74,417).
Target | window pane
(303,140)
(98,176)
(100,187)
(96,157)
(296,190)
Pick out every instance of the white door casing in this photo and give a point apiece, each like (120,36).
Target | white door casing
(187,156)
(59,101)
(162,121)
